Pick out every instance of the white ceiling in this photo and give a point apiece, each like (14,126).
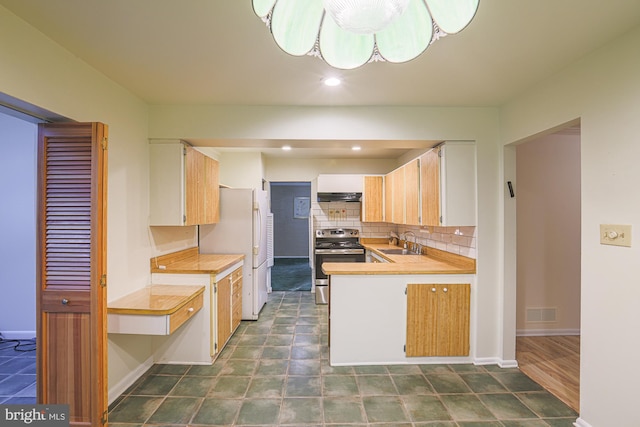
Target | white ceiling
(219,52)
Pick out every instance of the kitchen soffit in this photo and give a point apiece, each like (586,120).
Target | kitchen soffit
(318,149)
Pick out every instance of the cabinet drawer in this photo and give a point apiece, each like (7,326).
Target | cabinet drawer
(236,295)
(185,313)
(154,310)
(236,315)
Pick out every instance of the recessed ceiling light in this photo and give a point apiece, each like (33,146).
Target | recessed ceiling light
(356,148)
(286,147)
(332,81)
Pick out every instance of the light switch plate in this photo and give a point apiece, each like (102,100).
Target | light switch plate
(615,234)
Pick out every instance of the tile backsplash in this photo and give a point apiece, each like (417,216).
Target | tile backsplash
(457,240)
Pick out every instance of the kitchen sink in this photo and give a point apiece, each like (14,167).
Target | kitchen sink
(396,252)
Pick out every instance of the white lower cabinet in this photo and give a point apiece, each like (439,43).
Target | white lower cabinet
(197,342)
(373,331)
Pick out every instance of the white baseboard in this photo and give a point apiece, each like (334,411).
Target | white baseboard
(508,364)
(546,332)
(495,361)
(581,423)
(127,381)
(18,335)
(486,361)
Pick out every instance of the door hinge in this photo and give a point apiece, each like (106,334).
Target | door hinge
(103,420)
(103,280)
(215,289)
(215,346)
(404,348)
(405,291)
(440,219)
(184,219)
(105,143)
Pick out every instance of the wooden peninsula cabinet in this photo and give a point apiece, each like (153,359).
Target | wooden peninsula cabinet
(438,319)
(184,185)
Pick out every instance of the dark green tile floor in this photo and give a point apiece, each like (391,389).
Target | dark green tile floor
(275,372)
(17,372)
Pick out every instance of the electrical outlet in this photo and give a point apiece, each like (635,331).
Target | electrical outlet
(615,234)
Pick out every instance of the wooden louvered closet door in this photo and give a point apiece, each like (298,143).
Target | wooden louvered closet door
(71,280)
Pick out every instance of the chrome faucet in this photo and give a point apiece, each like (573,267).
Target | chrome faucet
(406,234)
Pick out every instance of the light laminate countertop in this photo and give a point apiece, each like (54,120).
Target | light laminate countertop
(155,300)
(434,262)
(189,261)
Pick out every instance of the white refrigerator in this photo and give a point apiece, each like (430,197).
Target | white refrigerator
(243,229)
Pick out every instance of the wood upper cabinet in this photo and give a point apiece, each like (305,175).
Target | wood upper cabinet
(211,191)
(412,192)
(438,320)
(372,199)
(194,184)
(397,215)
(430,187)
(402,194)
(388,197)
(184,185)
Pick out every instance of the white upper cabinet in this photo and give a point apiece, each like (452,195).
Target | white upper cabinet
(448,184)
(340,183)
(184,185)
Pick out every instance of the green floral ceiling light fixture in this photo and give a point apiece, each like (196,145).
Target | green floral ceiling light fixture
(347,34)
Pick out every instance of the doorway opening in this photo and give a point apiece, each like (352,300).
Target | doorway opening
(291,208)
(18,175)
(548,242)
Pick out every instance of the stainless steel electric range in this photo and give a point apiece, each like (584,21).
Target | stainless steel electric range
(334,245)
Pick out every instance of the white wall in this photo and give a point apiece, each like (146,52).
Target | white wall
(548,227)
(38,71)
(242,169)
(602,90)
(17,227)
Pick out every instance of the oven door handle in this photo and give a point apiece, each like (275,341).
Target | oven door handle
(339,251)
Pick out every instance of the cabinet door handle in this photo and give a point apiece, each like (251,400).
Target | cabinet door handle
(445,290)
(433,289)
(65,301)
(190,310)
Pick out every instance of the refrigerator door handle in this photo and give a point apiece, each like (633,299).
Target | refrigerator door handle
(259,222)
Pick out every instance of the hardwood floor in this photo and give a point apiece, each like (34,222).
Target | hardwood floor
(554,363)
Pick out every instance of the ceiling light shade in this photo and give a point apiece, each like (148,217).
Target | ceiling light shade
(364,16)
(350,33)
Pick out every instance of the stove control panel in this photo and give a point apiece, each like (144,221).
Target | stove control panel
(338,232)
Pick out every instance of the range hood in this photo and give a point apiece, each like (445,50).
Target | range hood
(340,187)
(339,197)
